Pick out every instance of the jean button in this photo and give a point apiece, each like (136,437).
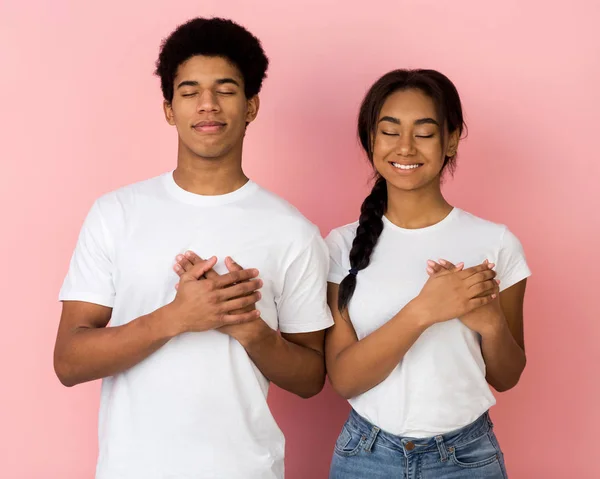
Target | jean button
(409,446)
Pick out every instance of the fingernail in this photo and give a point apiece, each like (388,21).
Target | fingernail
(188,254)
(430,263)
(179,257)
(494,296)
(429,270)
(491,265)
(498,281)
(177,267)
(460,264)
(485,261)
(259,295)
(442,261)
(260,282)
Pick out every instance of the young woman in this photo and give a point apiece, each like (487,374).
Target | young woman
(421,329)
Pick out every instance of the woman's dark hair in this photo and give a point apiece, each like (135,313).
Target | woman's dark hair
(449,110)
(212,37)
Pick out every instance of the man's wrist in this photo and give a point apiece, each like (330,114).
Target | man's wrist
(262,336)
(166,322)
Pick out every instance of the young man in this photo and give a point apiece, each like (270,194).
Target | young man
(186,371)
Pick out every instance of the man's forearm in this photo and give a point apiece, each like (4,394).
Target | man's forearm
(504,358)
(297,369)
(95,353)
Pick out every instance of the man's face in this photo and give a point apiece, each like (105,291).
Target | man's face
(209,108)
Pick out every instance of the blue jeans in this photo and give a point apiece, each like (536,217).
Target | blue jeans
(363,451)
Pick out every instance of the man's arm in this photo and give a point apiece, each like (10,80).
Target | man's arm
(294,362)
(86,349)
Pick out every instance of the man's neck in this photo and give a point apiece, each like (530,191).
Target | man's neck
(209,177)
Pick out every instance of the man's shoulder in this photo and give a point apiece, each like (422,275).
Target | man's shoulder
(123,197)
(283,215)
(113,208)
(148,187)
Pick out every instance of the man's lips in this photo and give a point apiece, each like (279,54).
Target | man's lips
(209,126)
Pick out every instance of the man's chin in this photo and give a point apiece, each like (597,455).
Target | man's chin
(210,153)
(208,150)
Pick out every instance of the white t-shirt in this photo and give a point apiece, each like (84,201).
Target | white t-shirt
(439,385)
(196,408)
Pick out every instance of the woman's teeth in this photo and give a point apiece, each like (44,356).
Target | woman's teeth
(405,167)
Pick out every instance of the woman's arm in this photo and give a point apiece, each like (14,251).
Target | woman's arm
(356,366)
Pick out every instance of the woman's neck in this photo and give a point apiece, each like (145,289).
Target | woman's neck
(416,209)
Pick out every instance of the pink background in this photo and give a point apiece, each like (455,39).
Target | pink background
(82,115)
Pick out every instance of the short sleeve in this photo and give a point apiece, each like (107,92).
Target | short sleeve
(337,253)
(302,306)
(511,265)
(90,275)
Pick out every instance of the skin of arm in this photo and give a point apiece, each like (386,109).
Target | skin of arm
(86,349)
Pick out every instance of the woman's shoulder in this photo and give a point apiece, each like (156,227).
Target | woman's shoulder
(470,220)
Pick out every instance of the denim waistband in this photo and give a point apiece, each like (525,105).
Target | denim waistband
(411,445)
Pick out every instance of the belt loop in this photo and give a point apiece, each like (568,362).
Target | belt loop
(439,440)
(371,439)
(489,420)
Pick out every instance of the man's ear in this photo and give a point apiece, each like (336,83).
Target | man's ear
(169,115)
(252,109)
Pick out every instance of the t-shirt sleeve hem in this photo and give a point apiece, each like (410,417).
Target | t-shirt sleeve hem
(306,327)
(335,278)
(95,298)
(513,279)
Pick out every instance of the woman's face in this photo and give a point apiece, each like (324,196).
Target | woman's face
(408,149)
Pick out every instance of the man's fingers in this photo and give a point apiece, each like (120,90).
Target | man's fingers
(232,265)
(247,309)
(182,264)
(235,277)
(178,269)
(238,290)
(241,303)
(199,269)
(186,261)
(192,257)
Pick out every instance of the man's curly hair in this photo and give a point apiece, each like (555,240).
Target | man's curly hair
(212,37)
